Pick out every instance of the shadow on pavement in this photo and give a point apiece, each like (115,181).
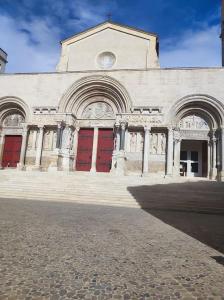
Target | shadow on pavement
(195,208)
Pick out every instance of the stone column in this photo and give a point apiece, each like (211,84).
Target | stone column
(21,164)
(177,146)
(214,157)
(146,150)
(59,135)
(209,160)
(120,165)
(94,153)
(2,137)
(39,146)
(170,152)
(117,148)
(122,136)
(75,145)
(34,140)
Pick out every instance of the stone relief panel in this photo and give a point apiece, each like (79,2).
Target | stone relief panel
(14,120)
(193,122)
(158,143)
(135,142)
(49,142)
(67,138)
(98,110)
(32,139)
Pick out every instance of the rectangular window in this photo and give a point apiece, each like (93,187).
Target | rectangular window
(194,155)
(183,155)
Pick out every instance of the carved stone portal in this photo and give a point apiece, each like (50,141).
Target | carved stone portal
(14,120)
(98,110)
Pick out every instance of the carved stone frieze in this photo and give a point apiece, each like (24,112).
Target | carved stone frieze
(194,135)
(137,120)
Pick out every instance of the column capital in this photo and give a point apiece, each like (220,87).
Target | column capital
(147,128)
(123,124)
(170,128)
(117,125)
(41,127)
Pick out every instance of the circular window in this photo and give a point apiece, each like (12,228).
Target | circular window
(106,60)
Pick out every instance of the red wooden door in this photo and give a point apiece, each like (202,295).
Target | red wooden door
(104,150)
(84,151)
(11,152)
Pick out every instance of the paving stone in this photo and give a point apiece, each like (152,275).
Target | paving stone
(71,251)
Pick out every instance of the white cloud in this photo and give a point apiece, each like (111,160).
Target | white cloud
(31,46)
(32,43)
(201,48)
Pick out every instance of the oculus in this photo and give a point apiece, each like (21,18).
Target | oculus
(106,60)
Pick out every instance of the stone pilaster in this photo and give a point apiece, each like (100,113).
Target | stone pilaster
(146,150)
(170,152)
(222,155)
(2,138)
(94,153)
(39,147)
(21,164)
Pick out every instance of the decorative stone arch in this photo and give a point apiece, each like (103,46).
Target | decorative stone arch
(13,105)
(210,112)
(204,106)
(83,92)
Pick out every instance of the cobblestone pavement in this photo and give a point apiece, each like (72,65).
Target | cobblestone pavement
(70,251)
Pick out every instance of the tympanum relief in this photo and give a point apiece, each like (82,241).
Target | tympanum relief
(14,120)
(158,143)
(194,123)
(98,110)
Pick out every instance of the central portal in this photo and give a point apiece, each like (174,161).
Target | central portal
(91,153)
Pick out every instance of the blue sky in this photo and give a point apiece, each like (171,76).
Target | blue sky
(30,30)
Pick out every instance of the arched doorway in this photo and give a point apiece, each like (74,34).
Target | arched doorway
(195,159)
(13,115)
(94,101)
(198,145)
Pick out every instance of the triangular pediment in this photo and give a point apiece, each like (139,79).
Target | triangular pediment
(109,25)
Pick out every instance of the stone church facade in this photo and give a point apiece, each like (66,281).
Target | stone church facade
(109,107)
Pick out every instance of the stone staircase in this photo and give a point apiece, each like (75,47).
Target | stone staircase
(154,192)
